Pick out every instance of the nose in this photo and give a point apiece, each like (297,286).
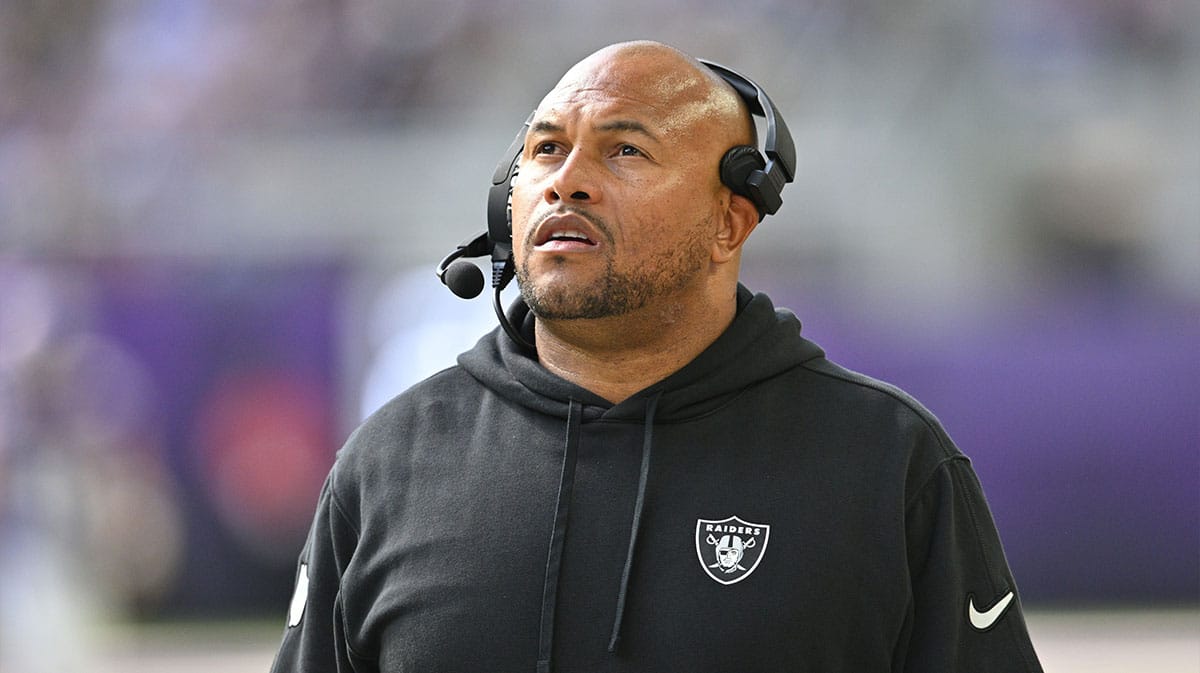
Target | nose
(574,181)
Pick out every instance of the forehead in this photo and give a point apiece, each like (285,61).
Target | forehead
(669,97)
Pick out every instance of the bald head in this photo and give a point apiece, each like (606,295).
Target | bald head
(686,96)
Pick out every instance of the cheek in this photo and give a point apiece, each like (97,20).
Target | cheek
(652,202)
(680,197)
(669,211)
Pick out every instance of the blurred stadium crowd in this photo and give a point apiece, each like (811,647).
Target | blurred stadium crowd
(219,218)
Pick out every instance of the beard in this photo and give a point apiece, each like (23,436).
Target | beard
(617,292)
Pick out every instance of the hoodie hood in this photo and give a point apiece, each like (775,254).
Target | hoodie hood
(762,341)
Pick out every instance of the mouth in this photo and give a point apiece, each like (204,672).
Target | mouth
(565,233)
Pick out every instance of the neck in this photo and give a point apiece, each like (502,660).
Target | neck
(618,356)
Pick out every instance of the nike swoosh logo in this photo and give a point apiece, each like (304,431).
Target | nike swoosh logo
(299,598)
(987,619)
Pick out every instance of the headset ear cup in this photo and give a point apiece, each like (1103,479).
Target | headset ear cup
(736,167)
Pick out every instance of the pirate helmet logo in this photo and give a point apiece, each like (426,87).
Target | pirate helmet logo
(730,549)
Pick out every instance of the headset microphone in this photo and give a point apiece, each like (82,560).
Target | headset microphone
(462,277)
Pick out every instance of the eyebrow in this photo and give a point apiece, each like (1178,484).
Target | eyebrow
(545,127)
(607,127)
(627,125)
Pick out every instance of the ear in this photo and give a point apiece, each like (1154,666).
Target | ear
(739,219)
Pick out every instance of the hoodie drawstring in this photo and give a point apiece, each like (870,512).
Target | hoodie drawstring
(558,536)
(554,558)
(647,437)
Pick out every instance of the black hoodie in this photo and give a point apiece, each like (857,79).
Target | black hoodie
(761,509)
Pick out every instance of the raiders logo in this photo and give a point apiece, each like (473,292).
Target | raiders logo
(730,549)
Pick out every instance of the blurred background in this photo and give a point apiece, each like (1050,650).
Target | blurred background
(219,221)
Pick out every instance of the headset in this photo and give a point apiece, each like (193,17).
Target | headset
(743,169)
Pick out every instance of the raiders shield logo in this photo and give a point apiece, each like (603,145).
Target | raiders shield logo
(730,549)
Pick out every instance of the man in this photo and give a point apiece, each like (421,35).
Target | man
(562,509)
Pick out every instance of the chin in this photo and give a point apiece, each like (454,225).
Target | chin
(555,289)
(559,302)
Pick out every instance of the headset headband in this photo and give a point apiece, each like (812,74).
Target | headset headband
(780,167)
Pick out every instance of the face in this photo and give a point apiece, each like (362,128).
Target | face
(618,192)
(729,551)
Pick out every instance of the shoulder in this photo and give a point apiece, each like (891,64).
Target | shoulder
(429,400)
(891,427)
(873,400)
(382,446)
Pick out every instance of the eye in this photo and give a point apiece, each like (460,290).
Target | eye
(629,151)
(545,148)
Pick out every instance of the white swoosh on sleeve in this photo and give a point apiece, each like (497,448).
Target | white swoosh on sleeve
(985,620)
(299,598)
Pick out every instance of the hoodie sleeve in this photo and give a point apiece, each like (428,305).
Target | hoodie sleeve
(315,636)
(966,613)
